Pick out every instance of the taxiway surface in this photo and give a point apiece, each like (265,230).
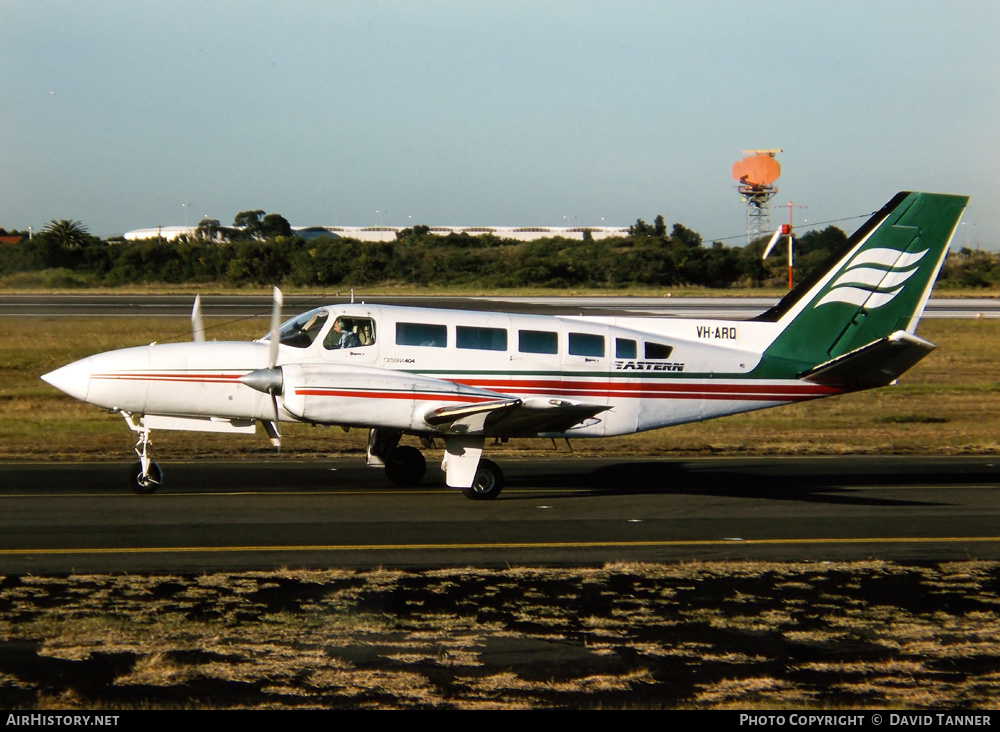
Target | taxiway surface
(249,306)
(213,516)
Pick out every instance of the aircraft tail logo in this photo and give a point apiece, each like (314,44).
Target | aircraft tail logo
(873,278)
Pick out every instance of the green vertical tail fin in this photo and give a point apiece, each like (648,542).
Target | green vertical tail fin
(874,287)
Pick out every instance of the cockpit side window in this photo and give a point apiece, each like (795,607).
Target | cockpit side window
(350,332)
(301,331)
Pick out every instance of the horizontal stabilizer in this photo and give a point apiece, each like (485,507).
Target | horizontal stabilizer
(877,364)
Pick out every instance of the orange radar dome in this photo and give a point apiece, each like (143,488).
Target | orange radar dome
(757,171)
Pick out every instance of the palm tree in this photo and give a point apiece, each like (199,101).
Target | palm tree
(68,234)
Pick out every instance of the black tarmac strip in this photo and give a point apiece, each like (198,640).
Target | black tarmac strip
(229,516)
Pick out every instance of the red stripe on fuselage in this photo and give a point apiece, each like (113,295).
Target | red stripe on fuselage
(747,390)
(736,391)
(422,396)
(184,378)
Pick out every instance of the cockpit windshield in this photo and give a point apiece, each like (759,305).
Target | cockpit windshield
(302,330)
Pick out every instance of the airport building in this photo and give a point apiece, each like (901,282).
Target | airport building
(388,233)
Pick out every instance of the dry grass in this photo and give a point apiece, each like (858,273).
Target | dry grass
(695,635)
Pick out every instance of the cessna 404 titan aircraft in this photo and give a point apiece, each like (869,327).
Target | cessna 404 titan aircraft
(467,376)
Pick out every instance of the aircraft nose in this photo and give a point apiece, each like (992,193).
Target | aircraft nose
(74,378)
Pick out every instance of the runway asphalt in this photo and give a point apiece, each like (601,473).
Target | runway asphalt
(214,516)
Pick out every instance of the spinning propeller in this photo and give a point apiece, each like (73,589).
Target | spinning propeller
(270,380)
(197,324)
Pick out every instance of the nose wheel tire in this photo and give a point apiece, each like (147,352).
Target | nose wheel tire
(145,484)
(405,466)
(487,484)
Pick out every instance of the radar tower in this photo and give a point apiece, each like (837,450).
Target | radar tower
(756,173)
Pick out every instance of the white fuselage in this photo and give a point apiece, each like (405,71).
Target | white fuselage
(384,366)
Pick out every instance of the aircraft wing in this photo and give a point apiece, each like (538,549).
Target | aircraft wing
(361,395)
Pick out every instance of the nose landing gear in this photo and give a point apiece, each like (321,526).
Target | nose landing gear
(145,481)
(145,476)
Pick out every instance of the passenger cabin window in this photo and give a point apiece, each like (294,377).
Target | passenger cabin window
(625,348)
(301,331)
(658,350)
(537,341)
(484,339)
(421,334)
(586,344)
(350,333)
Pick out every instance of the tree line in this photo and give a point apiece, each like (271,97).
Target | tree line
(261,249)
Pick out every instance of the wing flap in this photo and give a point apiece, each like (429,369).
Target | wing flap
(515,417)
(466,413)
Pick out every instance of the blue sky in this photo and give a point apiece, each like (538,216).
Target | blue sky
(117,112)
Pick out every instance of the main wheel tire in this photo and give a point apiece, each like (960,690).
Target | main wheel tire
(150,483)
(405,466)
(487,484)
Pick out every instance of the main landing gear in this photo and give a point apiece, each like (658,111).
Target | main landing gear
(405,466)
(488,482)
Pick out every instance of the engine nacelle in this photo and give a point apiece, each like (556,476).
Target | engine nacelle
(365,395)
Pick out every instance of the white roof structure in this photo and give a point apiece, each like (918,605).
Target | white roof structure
(388,233)
(160,232)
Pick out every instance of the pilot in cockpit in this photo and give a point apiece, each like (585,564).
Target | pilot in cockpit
(343,335)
